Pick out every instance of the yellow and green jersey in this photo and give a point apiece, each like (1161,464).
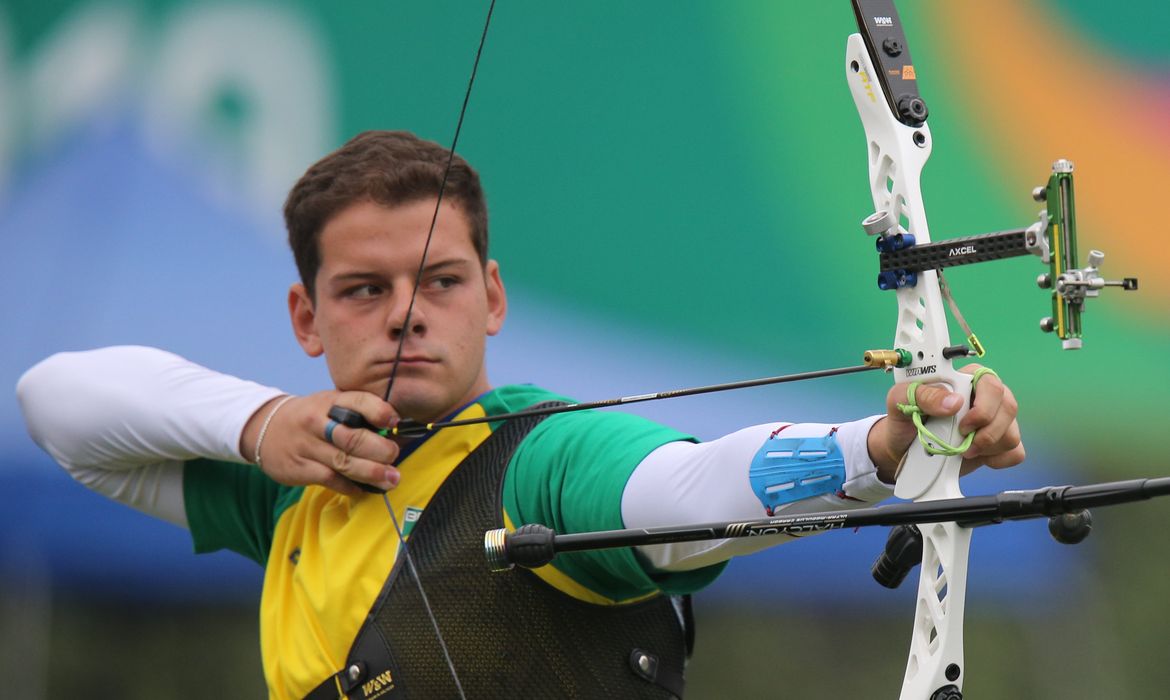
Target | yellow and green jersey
(327,555)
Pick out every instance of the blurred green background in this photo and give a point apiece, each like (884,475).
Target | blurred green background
(673,187)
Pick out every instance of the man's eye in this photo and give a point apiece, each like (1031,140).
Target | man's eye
(365,291)
(445,282)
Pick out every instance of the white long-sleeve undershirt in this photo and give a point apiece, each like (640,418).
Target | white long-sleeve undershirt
(708,482)
(123,420)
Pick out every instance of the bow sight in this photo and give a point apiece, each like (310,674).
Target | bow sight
(1052,238)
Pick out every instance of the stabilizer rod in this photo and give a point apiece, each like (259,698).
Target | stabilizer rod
(536,545)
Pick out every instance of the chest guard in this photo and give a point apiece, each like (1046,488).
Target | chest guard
(510,635)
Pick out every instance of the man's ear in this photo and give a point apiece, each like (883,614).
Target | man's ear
(304,320)
(497,298)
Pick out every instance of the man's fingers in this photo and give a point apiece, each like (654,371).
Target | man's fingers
(359,442)
(1000,437)
(372,408)
(933,399)
(1011,458)
(353,467)
(366,471)
(1000,434)
(307,447)
(340,472)
(993,417)
(308,471)
(356,454)
(990,423)
(992,400)
(340,484)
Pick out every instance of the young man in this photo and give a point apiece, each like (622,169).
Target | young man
(344,611)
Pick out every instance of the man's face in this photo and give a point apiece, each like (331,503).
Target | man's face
(370,257)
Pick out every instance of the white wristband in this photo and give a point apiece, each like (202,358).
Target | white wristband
(267,421)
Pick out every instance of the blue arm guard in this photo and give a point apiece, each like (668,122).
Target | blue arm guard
(793,469)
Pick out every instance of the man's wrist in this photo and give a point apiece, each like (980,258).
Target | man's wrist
(260,419)
(883,459)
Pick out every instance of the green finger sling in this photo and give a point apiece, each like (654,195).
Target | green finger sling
(931,442)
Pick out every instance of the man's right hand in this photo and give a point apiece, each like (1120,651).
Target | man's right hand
(295,451)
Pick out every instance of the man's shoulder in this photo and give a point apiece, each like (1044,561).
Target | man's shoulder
(517,397)
(604,424)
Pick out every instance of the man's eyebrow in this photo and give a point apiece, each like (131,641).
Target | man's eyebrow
(356,275)
(431,267)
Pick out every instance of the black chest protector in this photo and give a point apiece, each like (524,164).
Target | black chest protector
(510,635)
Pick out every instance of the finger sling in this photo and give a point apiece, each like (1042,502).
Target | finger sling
(932,443)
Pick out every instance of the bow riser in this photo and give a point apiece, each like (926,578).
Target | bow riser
(897,154)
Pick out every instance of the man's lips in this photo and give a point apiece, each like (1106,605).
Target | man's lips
(409,360)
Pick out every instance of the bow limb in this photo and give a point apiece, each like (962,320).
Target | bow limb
(897,153)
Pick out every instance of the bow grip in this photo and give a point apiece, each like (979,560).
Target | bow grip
(921,473)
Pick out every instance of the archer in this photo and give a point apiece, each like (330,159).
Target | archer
(390,238)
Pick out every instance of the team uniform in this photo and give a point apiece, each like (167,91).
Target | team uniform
(327,556)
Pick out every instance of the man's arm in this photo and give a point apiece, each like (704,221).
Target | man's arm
(123,420)
(693,483)
(683,482)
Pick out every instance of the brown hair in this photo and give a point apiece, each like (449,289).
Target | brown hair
(386,167)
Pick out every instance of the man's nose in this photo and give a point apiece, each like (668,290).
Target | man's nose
(407,312)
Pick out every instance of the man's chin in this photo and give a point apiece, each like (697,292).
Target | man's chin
(405,385)
(418,405)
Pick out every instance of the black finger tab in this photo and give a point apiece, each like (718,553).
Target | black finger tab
(350,418)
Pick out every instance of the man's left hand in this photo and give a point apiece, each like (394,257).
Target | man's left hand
(992,416)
